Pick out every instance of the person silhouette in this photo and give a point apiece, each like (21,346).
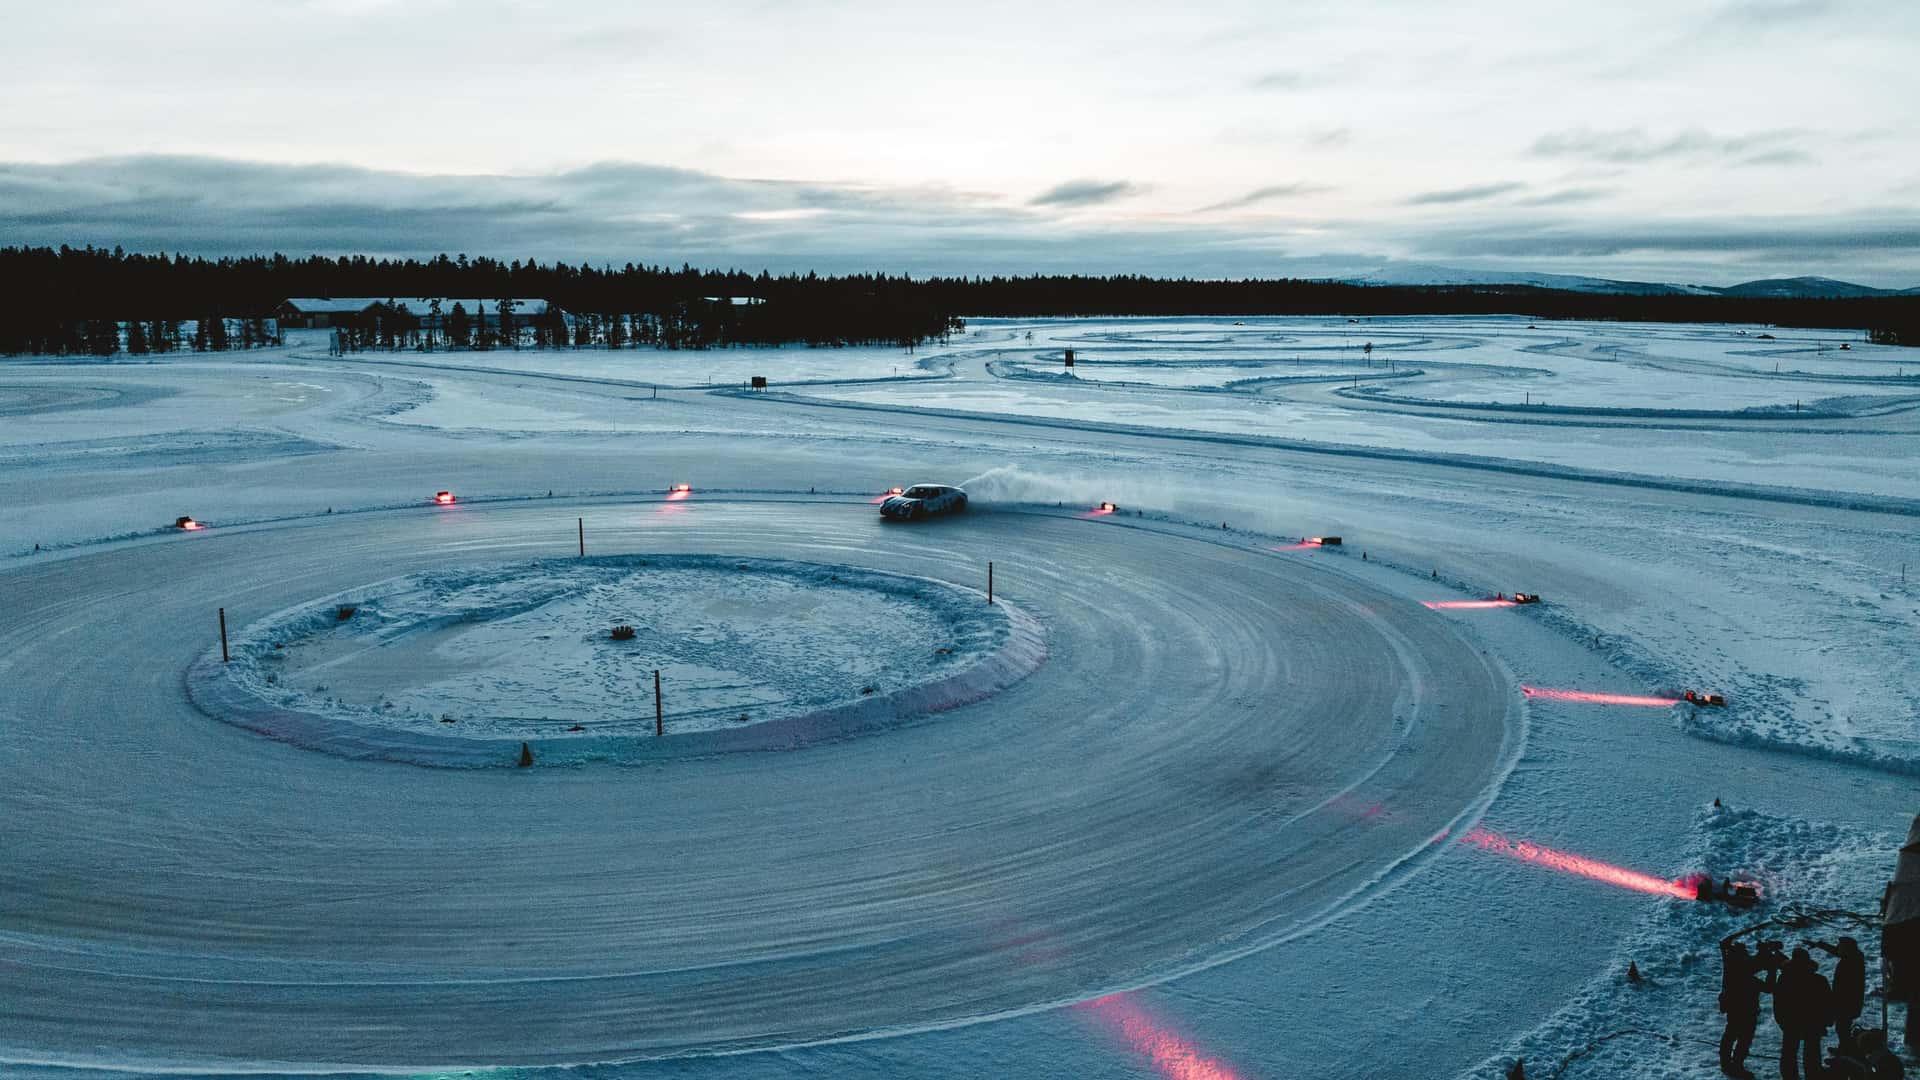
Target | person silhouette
(1802,1003)
(1849,987)
(1740,988)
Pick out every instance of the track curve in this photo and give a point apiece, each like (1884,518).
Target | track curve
(1226,747)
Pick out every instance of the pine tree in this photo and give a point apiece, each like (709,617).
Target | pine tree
(136,338)
(459,332)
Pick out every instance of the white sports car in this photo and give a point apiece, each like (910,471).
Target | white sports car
(924,501)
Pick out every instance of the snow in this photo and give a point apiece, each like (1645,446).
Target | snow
(1822,882)
(459,667)
(1228,824)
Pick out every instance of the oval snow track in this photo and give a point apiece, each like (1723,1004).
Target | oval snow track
(1225,746)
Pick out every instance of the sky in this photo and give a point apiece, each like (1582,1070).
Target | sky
(1707,142)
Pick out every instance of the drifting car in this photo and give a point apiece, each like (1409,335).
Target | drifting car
(1695,697)
(188,524)
(444,498)
(1526,598)
(924,501)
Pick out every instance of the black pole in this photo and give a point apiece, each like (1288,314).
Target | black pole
(583,538)
(659,718)
(989,583)
(224,658)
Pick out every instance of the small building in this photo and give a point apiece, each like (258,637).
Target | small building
(320,312)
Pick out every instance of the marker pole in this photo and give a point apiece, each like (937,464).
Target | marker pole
(989,583)
(659,717)
(583,537)
(224,658)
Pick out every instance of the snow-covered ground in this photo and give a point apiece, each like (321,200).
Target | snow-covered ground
(462,666)
(1198,841)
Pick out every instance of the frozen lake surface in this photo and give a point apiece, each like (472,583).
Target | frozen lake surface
(1227,804)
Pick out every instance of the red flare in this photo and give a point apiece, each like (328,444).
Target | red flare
(679,491)
(1174,1056)
(1568,863)
(1592,698)
(1312,542)
(1462,605)
(443,497)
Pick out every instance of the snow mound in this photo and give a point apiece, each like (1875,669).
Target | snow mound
(460,667)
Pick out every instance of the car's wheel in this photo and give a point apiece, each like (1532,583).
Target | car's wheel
(960,504)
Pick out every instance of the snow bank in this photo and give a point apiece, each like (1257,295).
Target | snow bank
(460,667)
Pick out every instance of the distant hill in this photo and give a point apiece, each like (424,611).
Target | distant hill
(1794,288)
(1416,274)
(1807,288)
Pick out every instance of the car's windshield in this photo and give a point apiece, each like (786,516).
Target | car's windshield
(922,492)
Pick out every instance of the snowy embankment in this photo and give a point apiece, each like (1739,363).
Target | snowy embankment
(459,667)
(1819,882)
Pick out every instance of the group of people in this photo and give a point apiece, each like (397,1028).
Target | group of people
(1806,1005)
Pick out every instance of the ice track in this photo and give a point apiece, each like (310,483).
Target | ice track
(1277,743)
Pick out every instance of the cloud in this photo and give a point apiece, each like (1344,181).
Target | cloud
(1568,196)
(1085,193)
(617,212)
(1635,146)
(1765,14)
(1474,193)
(1284,80)
(1265,194)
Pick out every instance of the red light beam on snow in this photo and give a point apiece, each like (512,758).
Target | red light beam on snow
(1173,1055)
(1591,698)
(1465,605)
(1568,863)
(1304,545)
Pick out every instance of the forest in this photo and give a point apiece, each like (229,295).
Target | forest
(97,301)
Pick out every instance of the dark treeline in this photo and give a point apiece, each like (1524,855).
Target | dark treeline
(49,292)
(81,300)
(1135,295)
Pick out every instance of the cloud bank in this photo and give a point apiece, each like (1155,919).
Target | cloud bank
(617,212)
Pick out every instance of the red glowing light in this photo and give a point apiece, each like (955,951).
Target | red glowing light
(1567,863)
(1311,542)
(1175,1057)
(1462,605)
(443,497)
(191,525)
(679,491)
(896,491)
(1591,698)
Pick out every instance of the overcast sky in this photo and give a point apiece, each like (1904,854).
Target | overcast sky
(1709,142)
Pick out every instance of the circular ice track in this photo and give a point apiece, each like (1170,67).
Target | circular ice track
(1224,747)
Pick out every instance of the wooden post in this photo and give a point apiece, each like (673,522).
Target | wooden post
(224,658)
(583,538)
(659,717)
(989,583)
